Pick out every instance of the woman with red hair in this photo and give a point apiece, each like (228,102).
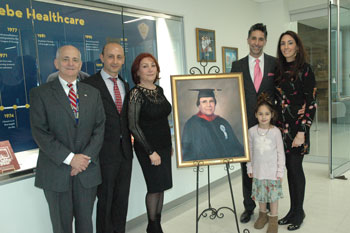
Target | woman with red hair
(148,122)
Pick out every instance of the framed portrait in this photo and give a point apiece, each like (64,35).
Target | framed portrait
(229,55)
(206,50)
(210,122)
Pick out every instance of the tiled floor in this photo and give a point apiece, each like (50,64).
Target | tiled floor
(327,207)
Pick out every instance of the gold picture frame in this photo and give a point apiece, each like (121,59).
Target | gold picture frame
(229,55)
(206,48)
(228,119)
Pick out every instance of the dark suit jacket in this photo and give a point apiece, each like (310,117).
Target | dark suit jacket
(56,132)
(117,135)
(267,84)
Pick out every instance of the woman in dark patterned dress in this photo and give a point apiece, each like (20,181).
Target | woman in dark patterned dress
(296,87)
(148,122)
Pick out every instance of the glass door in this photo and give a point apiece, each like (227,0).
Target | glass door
(314,34)
(339,86)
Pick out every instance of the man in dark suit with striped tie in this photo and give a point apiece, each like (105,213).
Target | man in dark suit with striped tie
(258,76)
(67,121)
(116,153)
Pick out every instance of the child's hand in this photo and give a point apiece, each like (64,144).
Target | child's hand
(250,175)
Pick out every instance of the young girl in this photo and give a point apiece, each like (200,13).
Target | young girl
(267,164)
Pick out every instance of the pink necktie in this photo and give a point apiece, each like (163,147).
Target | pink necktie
(73,99)
(257,75)
(118,98)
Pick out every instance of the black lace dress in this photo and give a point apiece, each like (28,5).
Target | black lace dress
(148,122)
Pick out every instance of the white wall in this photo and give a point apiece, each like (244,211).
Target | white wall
(231,20)
(276,22)
(25,208)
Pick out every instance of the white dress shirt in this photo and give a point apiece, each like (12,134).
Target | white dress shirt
(110,85)
(64,84)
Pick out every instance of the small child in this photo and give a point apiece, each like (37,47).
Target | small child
(267,164)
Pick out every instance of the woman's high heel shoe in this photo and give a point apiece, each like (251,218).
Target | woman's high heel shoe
(293,227)
(286,219)
(283,221)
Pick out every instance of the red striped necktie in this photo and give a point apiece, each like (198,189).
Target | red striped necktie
(118,98)
(73,99)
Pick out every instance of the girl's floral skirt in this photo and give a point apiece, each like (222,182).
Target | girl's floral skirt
(266,191)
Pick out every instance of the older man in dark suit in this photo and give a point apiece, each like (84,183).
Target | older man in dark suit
(116,153)
(67,120)
(258,75)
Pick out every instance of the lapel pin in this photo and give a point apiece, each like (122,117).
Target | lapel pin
(85,95)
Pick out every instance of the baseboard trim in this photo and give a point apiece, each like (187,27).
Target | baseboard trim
(316,159)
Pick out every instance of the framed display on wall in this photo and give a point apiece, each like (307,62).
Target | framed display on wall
(229,55)
(30,37)
(205,40)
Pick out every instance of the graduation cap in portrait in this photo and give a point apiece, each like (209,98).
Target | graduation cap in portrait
(205,92)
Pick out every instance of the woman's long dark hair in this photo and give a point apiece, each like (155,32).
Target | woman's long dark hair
(299,58)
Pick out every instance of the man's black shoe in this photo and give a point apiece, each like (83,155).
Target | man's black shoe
(245,217)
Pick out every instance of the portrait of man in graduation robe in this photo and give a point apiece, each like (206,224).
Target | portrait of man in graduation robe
(207,135)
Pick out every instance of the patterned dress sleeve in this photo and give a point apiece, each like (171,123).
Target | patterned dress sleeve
(309,91)
(135,103)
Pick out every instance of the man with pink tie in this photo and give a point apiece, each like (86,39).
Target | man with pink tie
(258,75)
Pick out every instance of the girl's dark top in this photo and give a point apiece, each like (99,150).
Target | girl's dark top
(293,91)
(148,118)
